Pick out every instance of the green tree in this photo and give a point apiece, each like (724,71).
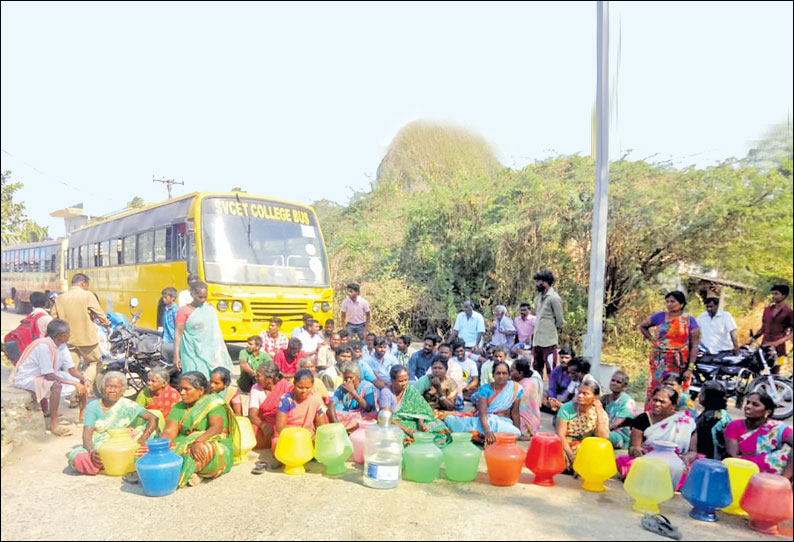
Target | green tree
(135,202)
(16,227)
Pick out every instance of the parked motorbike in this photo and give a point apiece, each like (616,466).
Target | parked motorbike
(133,351)
(750,372)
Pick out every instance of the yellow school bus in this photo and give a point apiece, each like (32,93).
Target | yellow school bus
(32,267)
(260,258)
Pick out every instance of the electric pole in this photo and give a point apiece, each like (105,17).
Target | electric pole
(168,182)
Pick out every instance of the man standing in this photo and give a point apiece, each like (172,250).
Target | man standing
(272,339)
(420,362)
(717,329)
(550,320)
(469,325)
(78,307)
(525,328)
(355,312)
(504,332)
(777,322)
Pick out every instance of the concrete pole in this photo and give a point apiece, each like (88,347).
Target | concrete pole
(598,235)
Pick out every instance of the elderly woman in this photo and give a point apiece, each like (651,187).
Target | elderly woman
(664,422)
(221,384)
(438,389)
(112,411)
(619,406)
(262,405)
(355,394)
(301,407)
(584,417)
(759,438)
(198,342)
(497,408)
(202,429)
(158,395)
(676,344)
(411,413)
(532,385)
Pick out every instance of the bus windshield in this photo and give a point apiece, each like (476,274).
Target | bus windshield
(248,241)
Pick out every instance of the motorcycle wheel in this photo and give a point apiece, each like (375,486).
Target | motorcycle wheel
(780,389)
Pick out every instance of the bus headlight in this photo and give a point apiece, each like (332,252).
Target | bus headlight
(326,307)
(316,307)
(237,306)
(222,306)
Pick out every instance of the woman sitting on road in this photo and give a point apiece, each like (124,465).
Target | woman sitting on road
(262,406)
(759,438)
(685,402)
(355,395)
(158,395)
(664,422)
(497,408)
(532,384)
(112,411)
(202,429)
(582,418)
(411,413)
(221,383)
(439,390)
(619,406)
(301,407)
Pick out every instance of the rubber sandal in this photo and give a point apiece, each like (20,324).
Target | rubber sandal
(259,468)
(59,432)
(131,478)
(658,524)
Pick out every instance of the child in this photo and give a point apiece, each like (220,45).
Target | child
(169,314)
(358,351)
(712,421)
(344,336)
(220,383)
(250,360)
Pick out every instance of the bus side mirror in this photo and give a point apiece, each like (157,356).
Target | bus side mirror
(133,303)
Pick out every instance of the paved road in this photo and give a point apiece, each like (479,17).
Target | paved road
(41,500)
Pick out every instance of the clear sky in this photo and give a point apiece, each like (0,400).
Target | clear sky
(300,101)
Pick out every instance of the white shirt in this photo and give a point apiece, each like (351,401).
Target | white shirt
(296,333)
(715,333)
(499,338)
(310,344)
(469,368)
(39,363)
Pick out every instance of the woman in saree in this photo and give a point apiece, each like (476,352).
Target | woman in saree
(675,346)
(532,385)
(619,406)
(159,396)
(112,411)
(221,383)
(581,418)
(759,438)
(355,398)
(202,429)
(263,417)
(411,413)
(664,422)
(198,342)
(301,407)
(439,390)
(685,402)
(497,408)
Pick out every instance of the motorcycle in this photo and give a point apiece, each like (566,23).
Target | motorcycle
(133,351)
(750,372)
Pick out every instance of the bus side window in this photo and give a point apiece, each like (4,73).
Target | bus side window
(181,243)
(116,259)
(145,247)
(161,244)
(129,250)
(192,264)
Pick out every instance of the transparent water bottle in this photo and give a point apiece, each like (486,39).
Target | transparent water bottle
(383,453)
